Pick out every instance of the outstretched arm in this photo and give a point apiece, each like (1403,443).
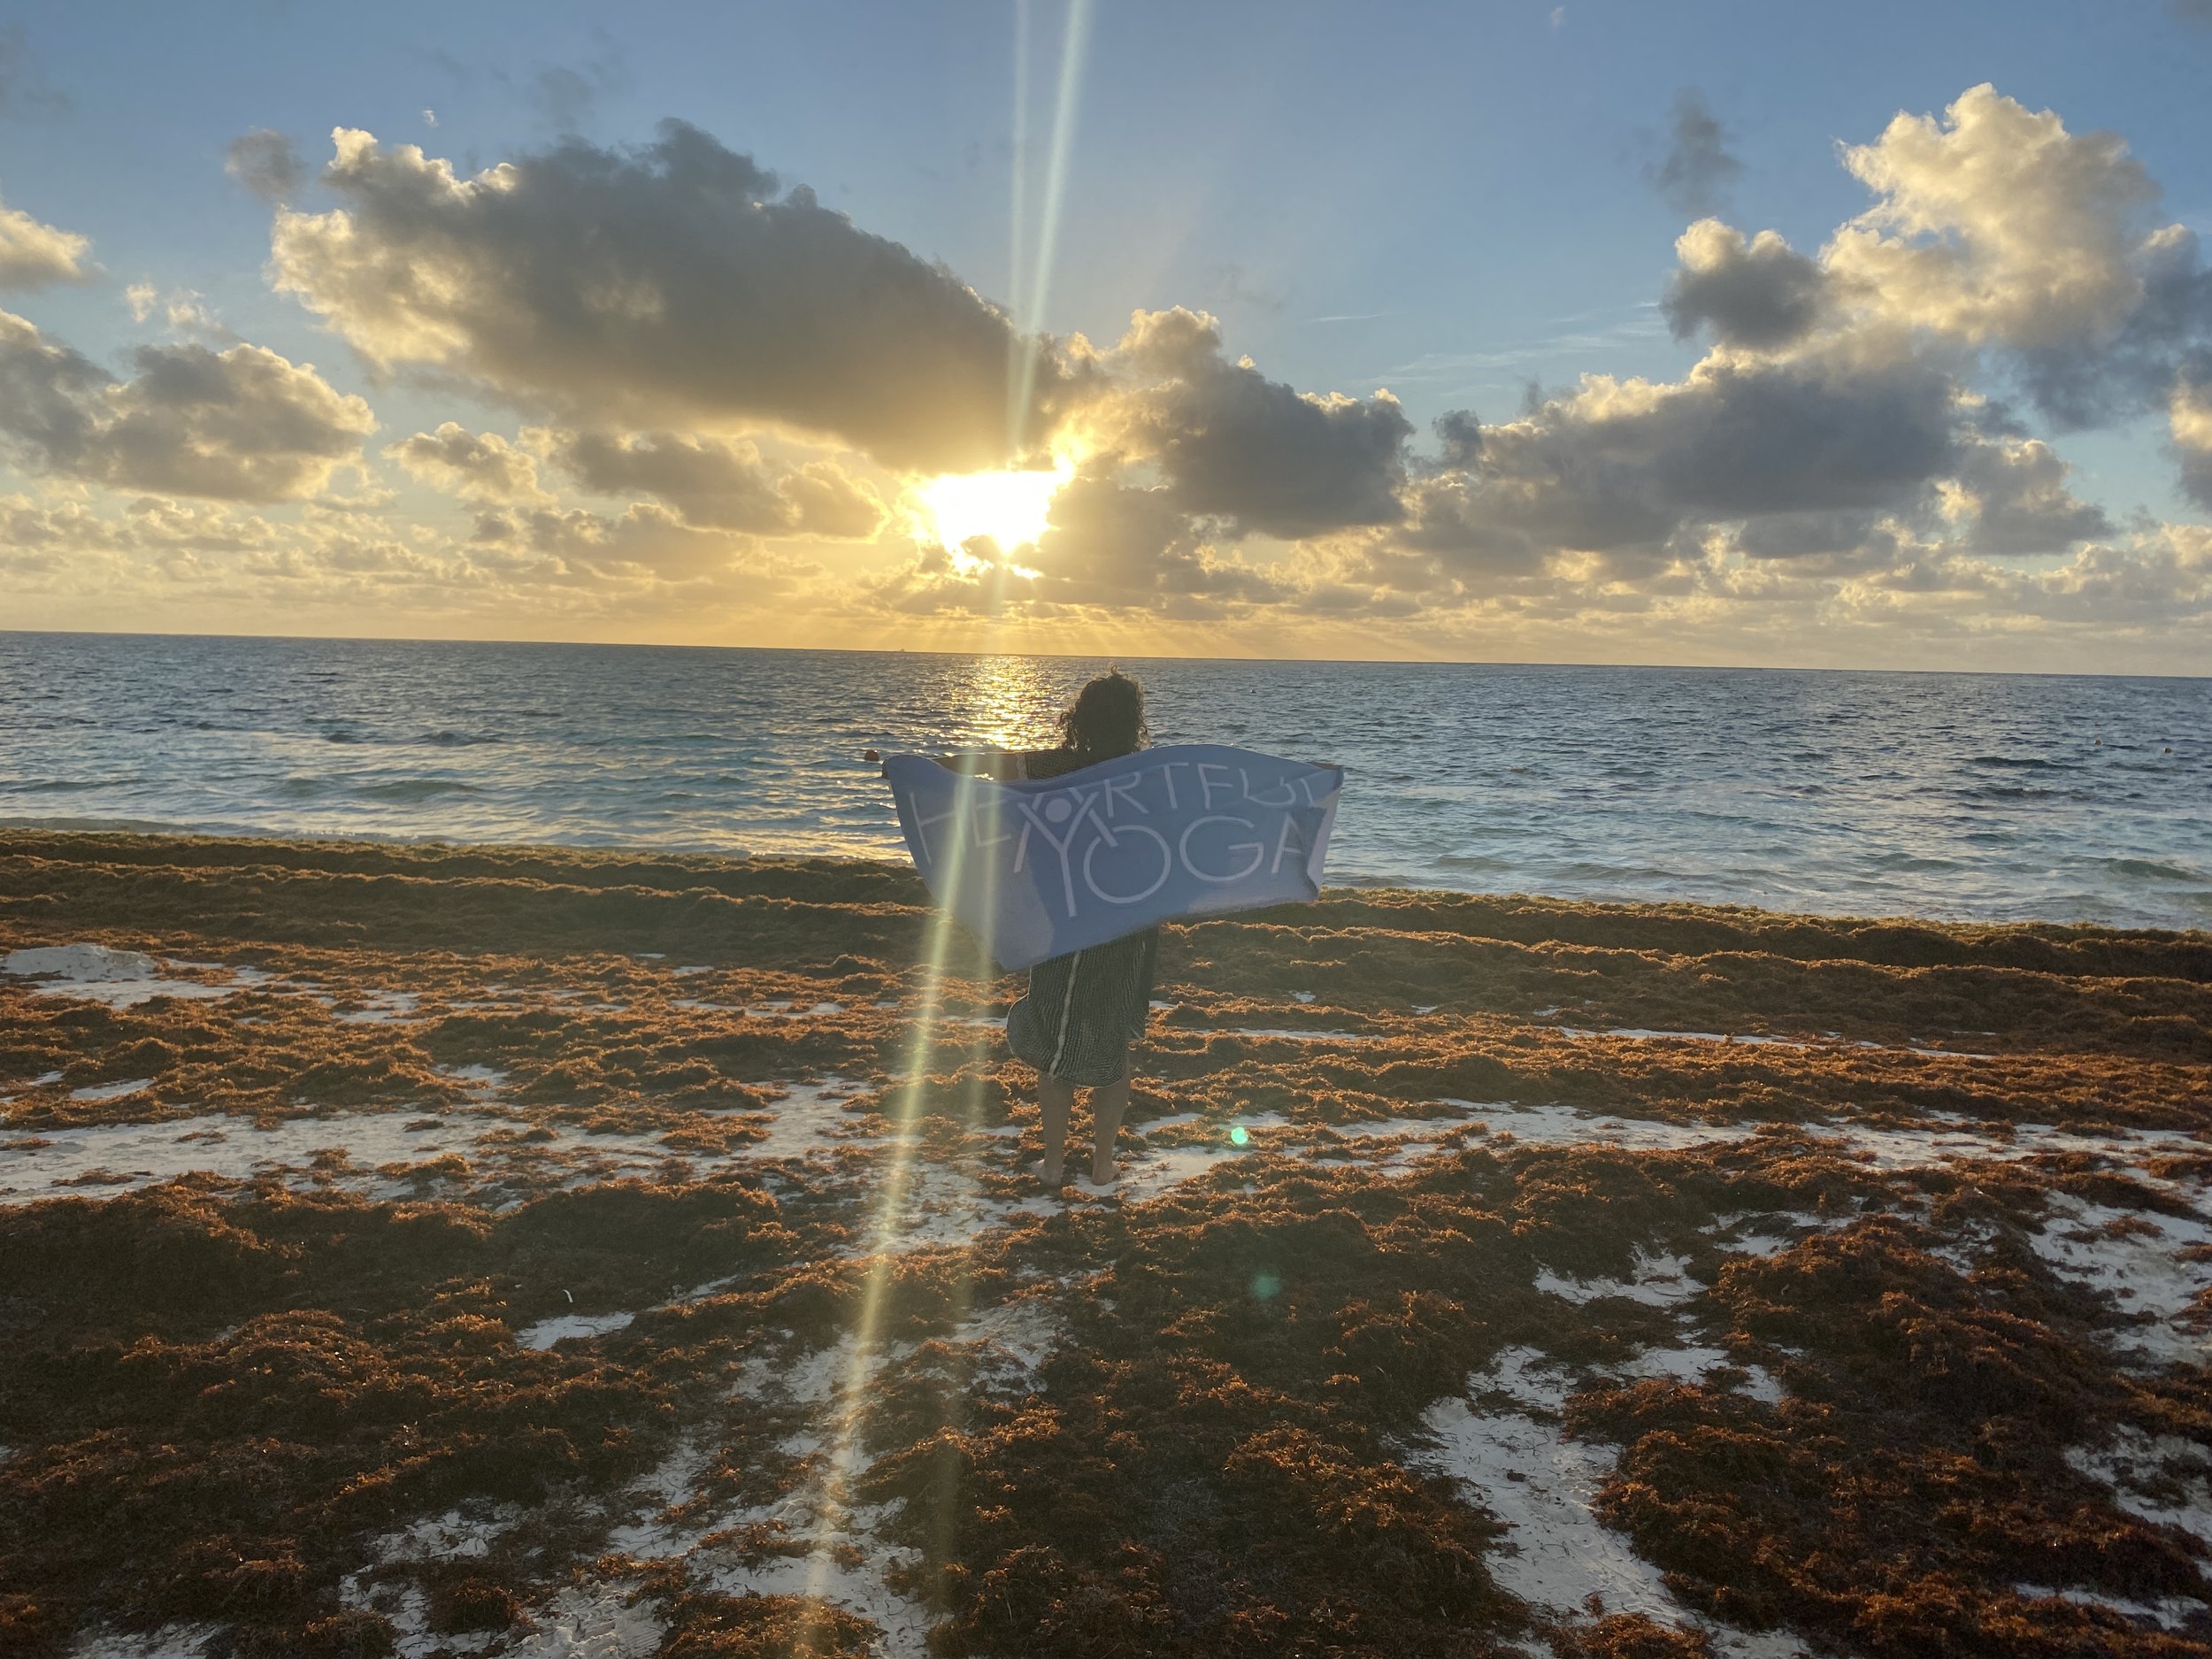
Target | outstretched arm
(986,763)
(983,763)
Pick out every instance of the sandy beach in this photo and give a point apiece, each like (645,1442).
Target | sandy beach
(423,1250)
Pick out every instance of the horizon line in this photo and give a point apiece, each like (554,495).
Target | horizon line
(1108,657)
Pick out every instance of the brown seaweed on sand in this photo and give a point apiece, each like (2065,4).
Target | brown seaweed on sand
(483,1243)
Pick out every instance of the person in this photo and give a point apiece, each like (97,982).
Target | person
(1083,1012)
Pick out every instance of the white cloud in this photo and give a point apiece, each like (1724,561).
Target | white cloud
(1996,225)
(475,466)
(35,255)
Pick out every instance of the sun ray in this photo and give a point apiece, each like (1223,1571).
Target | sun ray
(1012,510)
(839,1459)
(1030,304)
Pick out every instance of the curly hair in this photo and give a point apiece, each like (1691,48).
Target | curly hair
(1106,719)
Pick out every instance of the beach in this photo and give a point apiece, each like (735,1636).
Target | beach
(427,1249)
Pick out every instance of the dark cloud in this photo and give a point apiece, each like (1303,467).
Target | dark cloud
(1108,543)
(24,90)
(1694,175)
(267,164)
(1789,437)
(2017,496)
(672,285)
(644,538)
(567,98)
(720,483)
(2190,418)
(1459,435)
(1236,445)
(240,424)
(1762,294)
(2097,379)
(1622,471)
(1834,541)
(710,480)
(48,392)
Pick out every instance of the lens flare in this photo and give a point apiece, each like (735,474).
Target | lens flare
(949,953)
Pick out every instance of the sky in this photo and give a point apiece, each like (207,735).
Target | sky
(1876,336)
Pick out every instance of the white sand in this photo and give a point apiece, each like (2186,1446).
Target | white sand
(1520,1466)
(121,979)
(2131,1257)
(546,1332)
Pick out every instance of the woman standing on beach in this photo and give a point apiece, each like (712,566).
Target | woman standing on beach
(1083,1012)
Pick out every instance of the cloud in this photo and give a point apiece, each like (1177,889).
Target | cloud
(1820,544)
(475,466)
(644,538)
(1994,226)
(267,164)
(1110,547)
(24,89)
(1694,175)
(2013,493)
(1849,472)
(182,309)
(566,98)
(667,285)
(1621,464)
(2191,419)
(1235,445)
(1762,293)
(1111,544)
(33,255)
(240,424)
(721,483)
(1996,238)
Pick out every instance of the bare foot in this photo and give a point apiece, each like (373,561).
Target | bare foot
(1052,1175)
(1104,1171)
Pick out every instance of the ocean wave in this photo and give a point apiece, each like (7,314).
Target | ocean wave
(460,739)
(2150,870)
(413,789)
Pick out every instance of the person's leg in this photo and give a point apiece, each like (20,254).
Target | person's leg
(1107,1105)
(1056,1102)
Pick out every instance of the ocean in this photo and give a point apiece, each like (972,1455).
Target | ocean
(1966,796)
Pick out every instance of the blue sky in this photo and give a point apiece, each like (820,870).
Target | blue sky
(1449,201)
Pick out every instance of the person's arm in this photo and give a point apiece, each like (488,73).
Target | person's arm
(983,763)
(986,763)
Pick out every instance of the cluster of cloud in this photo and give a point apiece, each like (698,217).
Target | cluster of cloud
(672,285)
(1838,447)
(712,371)
(240,424)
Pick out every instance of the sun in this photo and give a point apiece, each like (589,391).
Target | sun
(1010,508)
